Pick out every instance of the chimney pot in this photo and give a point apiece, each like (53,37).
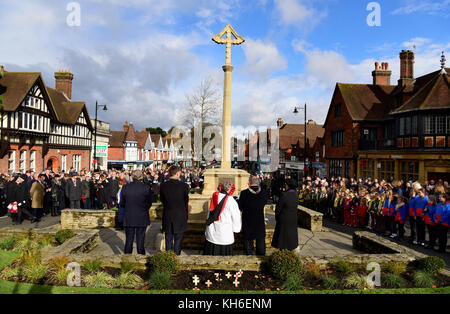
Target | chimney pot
(376,65)
(63,82)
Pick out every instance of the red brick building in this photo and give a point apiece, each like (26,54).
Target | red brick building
(381,131)
(42,127)
(129,149)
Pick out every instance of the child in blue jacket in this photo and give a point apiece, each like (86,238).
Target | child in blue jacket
(429,215)
(420,203)
(442,221)
(401,214)
(412,215)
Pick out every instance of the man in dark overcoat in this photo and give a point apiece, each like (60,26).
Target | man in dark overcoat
(136,199)
(175,199)
(252,202)
(286,232)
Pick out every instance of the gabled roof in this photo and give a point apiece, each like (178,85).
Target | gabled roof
(16,86)
(131,136)
(117,138)
(435,94)
(142,138)
(366,101)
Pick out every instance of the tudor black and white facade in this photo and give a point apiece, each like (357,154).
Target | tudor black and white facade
(41,127)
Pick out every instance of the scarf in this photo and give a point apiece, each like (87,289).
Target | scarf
(216,208)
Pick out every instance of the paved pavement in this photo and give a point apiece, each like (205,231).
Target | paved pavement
(45,222)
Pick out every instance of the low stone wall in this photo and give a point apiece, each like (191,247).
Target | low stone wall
(227,263)
(310,219)
(368,242)
(156,211)
(76,219)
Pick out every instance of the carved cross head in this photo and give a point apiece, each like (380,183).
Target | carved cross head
(228,40)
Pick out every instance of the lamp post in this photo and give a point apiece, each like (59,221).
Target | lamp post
(95,131)
(296,111)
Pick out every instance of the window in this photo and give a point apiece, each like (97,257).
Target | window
(337,139)
(430,124)
(64,163)
(386,169)
(12,162)
(335,168)
(414,125)
(338,110)
(23,161)
(33,160)
(76,162)
(408,125)
(409,170)
(347,169)
(367,168)
(402,127)
(440,125)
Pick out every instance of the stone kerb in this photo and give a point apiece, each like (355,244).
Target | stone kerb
(310,219)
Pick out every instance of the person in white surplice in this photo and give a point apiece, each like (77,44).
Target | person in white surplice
(224,220)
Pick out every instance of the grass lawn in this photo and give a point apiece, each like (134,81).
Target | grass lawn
(7,287)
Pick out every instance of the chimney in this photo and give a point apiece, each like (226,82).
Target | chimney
(126,126)
(406,68)
(2,71)
(280,122)
(382,76)
(312,122)
(63,80)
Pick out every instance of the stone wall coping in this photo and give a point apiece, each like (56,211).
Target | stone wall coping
(310,212)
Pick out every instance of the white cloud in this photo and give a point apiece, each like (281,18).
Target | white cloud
(432,7)
(263,58)
(298,13)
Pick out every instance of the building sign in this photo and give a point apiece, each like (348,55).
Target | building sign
(295,165)
(319,165)
(101,151)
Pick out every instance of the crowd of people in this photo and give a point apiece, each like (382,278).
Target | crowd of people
(32,195)
(385,207)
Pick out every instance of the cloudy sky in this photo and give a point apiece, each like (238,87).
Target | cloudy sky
(141,57)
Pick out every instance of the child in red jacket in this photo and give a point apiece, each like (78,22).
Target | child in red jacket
(362,212)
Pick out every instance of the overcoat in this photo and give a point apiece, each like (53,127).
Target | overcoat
(252,207)
(175,198)
(286,234)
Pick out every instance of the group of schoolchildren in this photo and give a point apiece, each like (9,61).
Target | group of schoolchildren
(384,210)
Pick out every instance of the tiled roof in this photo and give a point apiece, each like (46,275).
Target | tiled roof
(131,134)
(435,94)
(117,138)
(18,84)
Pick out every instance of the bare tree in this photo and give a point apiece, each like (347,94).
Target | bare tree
(202,105)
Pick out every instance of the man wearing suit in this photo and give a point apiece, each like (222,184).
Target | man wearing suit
(175,199)
(136,199)
(74,192)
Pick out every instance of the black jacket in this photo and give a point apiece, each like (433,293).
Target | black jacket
(136,199)
(175,199)
(252,207)
(286,233)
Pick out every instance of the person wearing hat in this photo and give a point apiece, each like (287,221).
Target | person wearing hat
(37,192)
(57,195)
(286,232)
(22,197)
(74,191)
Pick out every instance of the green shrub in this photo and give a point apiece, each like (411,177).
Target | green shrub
(312,270)
(30,258)
(127,267)
(392,280)
(423,279)
(284,263)
(93,265)
(99,280)
(164,261)
(35,273)
(12,273)
(396,268)
(329,282)
(342,266)
(59,277)
(431,264)
(128,280)
(293,283)
(356,281)
(8,244)
(58,263)
(63,235)
(23,245)
(161,280)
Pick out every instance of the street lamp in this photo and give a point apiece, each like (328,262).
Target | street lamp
(296,112)
(95,130)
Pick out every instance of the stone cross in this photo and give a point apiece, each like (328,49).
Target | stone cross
(229,275)
(228,41)
(228,69)
(208,283)
(196,280)
(236,282)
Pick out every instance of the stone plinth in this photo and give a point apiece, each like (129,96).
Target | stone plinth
(310,219)
(87,219)
(212,178)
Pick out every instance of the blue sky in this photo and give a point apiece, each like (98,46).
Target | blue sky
(141,57)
